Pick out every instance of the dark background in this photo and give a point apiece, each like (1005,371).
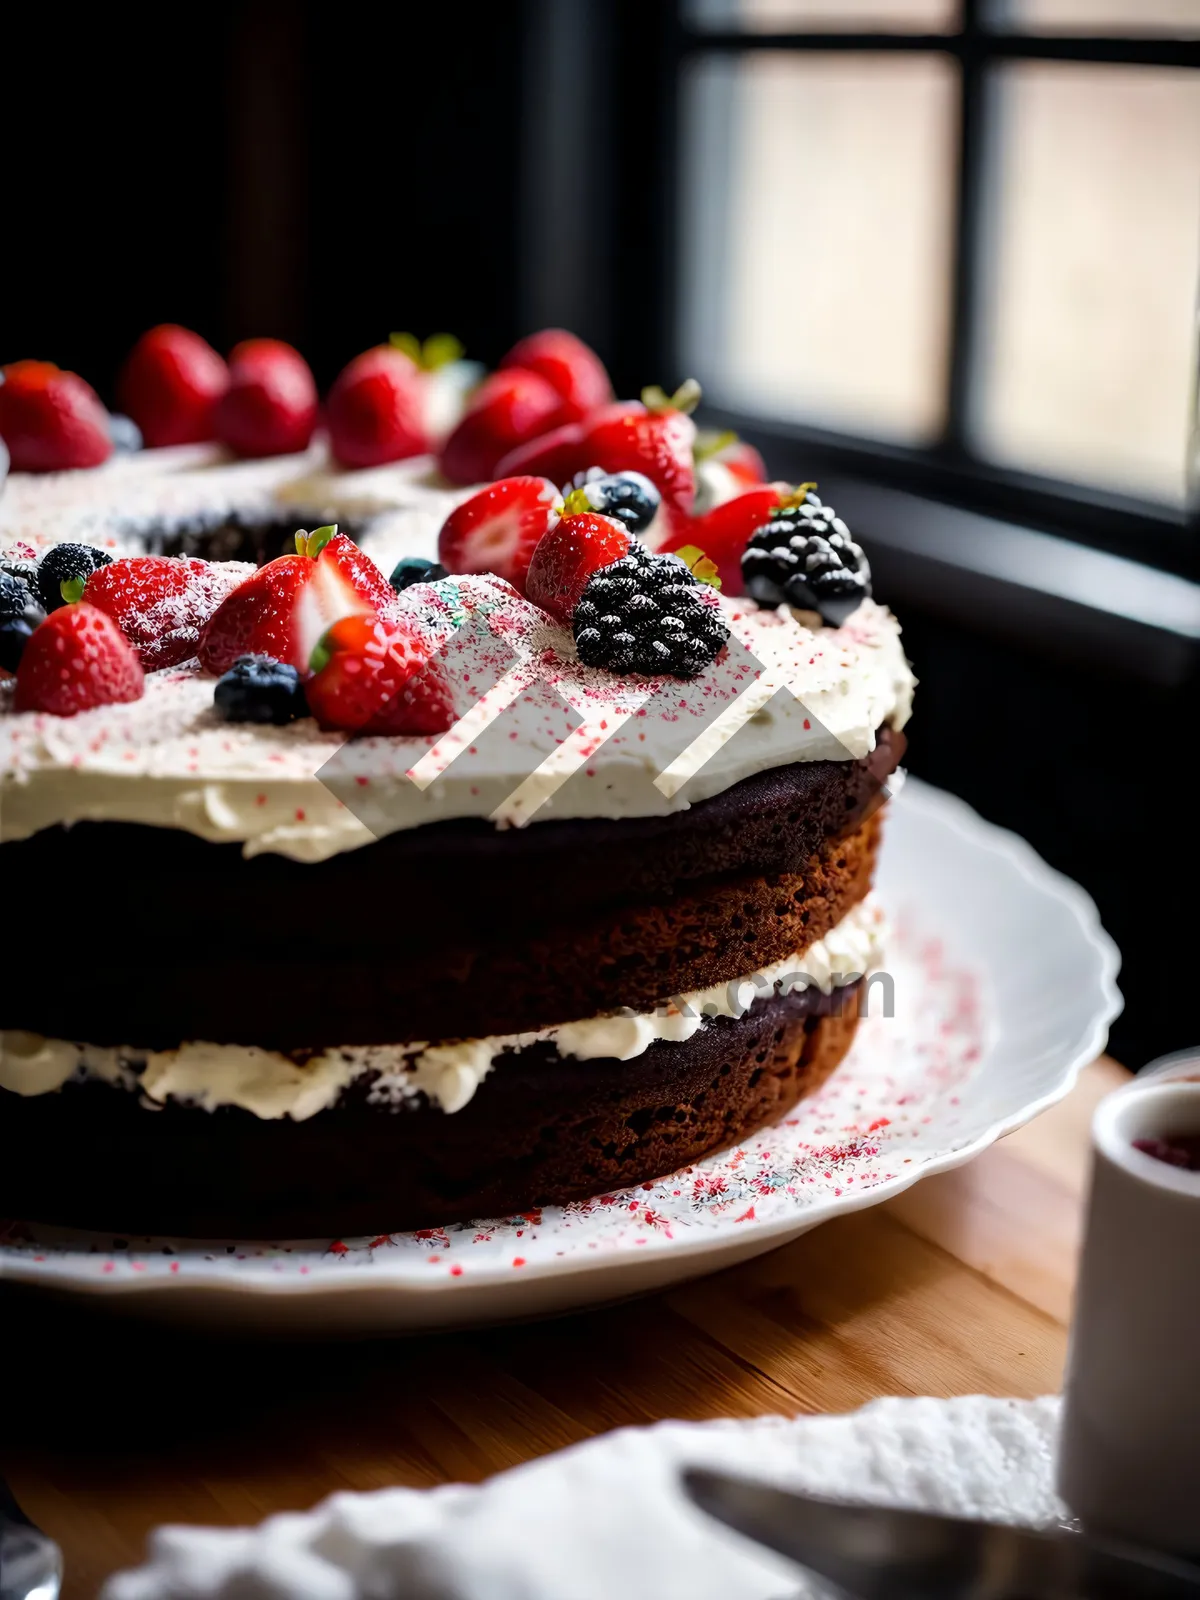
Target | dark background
(326,176)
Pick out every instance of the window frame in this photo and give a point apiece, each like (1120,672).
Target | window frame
(656,43)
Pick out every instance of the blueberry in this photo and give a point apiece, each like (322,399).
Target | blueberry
(60,564)
(125,434)
(414,569)
(259,689)
(15,567)
(15,633)
(628,496)
(17,599)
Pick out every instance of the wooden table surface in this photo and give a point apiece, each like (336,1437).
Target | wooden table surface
(962,1285)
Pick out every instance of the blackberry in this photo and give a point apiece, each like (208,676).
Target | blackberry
(628,496)
(415,569)
(15,567)
(647,614)
(60,564)
(804,556)
(20,614)
(260,689)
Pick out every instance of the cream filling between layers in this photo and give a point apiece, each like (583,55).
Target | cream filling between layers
(270,1085)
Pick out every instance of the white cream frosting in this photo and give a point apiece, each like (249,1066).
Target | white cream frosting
(166,760)
(272,1085)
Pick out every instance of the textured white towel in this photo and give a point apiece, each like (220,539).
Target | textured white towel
(607,1518)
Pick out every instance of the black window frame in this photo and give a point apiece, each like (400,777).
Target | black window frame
(643,48)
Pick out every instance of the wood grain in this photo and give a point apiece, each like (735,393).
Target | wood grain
(961,1285)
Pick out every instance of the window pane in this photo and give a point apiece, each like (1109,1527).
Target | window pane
(1179,18)
(840,16)
(816,243)
(1091,260)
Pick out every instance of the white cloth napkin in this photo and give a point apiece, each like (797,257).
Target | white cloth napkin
(607,1518)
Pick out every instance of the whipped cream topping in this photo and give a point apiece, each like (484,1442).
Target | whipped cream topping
(540,736)
(271,1085)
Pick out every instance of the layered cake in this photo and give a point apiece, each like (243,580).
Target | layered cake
(391,853)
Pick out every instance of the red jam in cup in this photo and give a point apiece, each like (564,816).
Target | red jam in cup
(1180,1150)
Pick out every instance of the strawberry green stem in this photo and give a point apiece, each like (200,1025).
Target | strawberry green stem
(72,589)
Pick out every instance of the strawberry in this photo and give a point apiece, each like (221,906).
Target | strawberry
(498,529)
(580,543)
(78,658)
(378,676)
(656,440)
(507,409)
(51,420)
(377,409)
(283,609)
(569,365)
(559,454)
(270,406)
(160,603)
(170,385)
(723,533)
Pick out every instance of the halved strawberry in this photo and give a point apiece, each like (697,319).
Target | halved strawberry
(284,608)
(379,676)
(161,603)
(580,543)
(723,533)
(506,409)
(498,529)
(78,658)
(572,367)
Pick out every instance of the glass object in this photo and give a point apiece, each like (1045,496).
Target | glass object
(1090,261)
(838,16)
(816,237)
(1179,19)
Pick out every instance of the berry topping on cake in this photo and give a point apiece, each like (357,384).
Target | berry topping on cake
(125,434)
(654,439)
(498,529)
(375,675)
(507,409)
(161,603)
(724,532)
(270,406)
(415,569)
(804,555)
(63,563)
(568,365)
(20,614)
(78,658)
(51,420)
(581,544)
(258,689)
(283,609)
(725,466)
(377,410)
(628,496)
(170,386)
(648,614)
(19,566)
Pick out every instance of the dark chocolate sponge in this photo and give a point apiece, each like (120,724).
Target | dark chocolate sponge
(541,1130)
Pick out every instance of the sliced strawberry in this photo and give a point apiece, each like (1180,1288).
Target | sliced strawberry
(722,534)
(507,409)
(161,603)
(498,529)
(78,658)
(572,367)
(51,420)
(656,440)
(170,385)
(284,608)
(377,676)
(575,547)
(376,411)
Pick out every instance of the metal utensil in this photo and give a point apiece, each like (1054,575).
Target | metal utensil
(31,1563)
(882,1553)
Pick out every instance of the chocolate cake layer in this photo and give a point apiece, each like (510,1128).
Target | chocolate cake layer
(397,981)
(540,1130)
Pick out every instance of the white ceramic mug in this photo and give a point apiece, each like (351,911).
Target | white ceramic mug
(1129,1454)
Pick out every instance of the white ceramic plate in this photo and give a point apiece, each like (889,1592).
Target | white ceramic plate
(1004,987)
